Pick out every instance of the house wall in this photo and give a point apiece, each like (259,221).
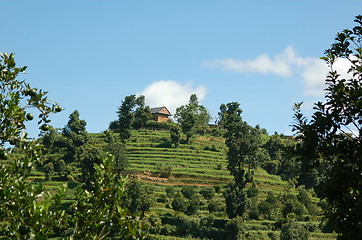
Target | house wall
(161,118)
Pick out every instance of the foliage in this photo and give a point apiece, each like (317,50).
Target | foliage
(97,214)
(235,199)
(179,203)
(22,214)
(28,211)
(164,170)
(208,192)
(188,191)
(293,231)
(16,98)
(330,143)
(129,117)
(242,141)
(137,198)
(192,117)
(175,135)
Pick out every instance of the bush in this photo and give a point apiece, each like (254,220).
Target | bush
(158,125)
(168,230)
(164,170)
(208,193)
(179,203)
(193,206)
(170,191)
(162,198)
(188,191)
(293,231)
(216,206)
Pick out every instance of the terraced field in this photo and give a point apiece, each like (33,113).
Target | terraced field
(201,164)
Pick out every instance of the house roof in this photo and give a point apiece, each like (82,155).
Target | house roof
(160,110)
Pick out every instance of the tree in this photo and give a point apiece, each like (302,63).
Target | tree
(330,147)
(27,211)
(179,203)
(175,135)
(137,198)
(22,214)
(129,117)
(98,214)
(243,142)
(192,116)
(293,231)
(77,136)
(142,113)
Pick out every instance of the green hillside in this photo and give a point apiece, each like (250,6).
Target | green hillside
(202,164)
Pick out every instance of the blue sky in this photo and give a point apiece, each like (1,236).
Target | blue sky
(90,54)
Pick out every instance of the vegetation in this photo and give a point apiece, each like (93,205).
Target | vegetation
(139,180)
(330,147)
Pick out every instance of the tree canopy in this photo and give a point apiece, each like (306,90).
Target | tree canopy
(330,146)
(192,117)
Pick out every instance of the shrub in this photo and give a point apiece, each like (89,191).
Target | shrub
(164,170)
(293,231)
(188,191)
(162,198)
(193,206)
(168,230)
(158,125)
(170,191)
(216,206)
(208,193)
(179,203)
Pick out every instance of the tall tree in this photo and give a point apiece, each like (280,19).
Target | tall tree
(243,142)
(330,143)
(129,117)
(192,116)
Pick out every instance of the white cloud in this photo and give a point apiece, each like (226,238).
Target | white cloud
(313,71)
(171,94)
(279,64)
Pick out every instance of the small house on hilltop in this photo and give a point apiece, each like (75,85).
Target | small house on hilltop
(160,114)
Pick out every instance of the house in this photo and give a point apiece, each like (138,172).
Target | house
(160,114)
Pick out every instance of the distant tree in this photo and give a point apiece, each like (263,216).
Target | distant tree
(192,116)
(235,199)
(126,116)
(142,113)
(175,135)
(208,192)
(188,191)
(243,142)
(129,117)
(193,205)
(294,231)
(75,132)
(330,143)
(179,203)
(88,156)
(170,191)
(137,198)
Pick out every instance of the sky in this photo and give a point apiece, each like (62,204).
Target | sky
(90,54)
